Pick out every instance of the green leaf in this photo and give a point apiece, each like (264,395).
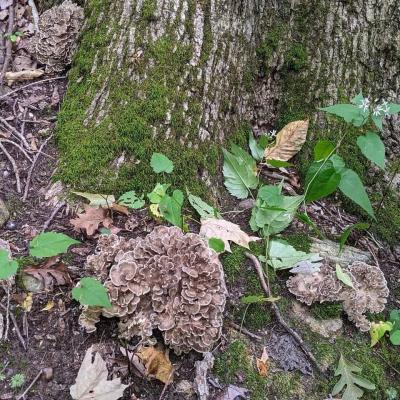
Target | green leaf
(171,208)
(256,150)
(322,179)
(394,108)
(158,193)
(50,244)
(161,163)
(343,276)
(279,163)
(284,256)
(357,100)
(349,112)
(346,233)
(395,338)
(378,330)
(350,381)
(378,122)
(394,318)
(337,163)
(323,150)
(254,299)
(216,244)
(204,210)
(352,187)
(97,200)
(131,200)
(8,268)
(91,292)
(240,173)
(373,148)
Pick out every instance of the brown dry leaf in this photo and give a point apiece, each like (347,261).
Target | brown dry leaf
(263,363)
(91,219)
(226,231)
(49,306)
(119,209)
(288,141)
(25,75)
(156,362)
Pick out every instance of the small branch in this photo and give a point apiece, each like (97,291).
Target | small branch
(279,317)
(28,180)
(52,216)
(8,42)
(30,386)
(16,132)
(244,330)
(18,147)
(14,321)
(35,14)
(14,165)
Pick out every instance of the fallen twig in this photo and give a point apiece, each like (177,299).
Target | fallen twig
(8,42)
(18,147)
(279,317)
(28,179)
(15,132)
(30,386)
(14,165)
(52,216)
(14,321)
(244,330)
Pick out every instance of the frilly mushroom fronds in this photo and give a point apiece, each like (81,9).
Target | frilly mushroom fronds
(168,281)
(369,292)
(55,42)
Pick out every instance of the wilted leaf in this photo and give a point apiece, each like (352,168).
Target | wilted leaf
(157,363)
(131,200)
(378,330)
(8,267)
(91,382)
(263,363)
(161,163)
(119,208)
(343,276)
(49,306)
(27,303)
(97,200)
(49,244)
(288,142)
(306,267)
(226,231)
(24,75)
(91,292)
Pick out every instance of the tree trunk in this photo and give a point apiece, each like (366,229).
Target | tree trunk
(184,76)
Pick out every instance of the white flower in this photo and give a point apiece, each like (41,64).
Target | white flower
(378,110)
(272,133)
(385,108)
(364,104)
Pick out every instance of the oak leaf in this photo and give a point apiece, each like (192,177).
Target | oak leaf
(156,362)
(288,141)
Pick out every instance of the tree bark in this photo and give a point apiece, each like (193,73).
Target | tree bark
(190,73)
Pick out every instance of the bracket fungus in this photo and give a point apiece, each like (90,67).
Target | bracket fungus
(168,281)
(368,294)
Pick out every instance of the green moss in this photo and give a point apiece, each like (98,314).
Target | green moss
(149,9)
(237,361)
(326,310)
(300,241)
(284,385)
(296,58)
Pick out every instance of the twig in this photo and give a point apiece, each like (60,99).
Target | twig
(18,147)
(244,330)
(373,254)
(279,317)
(7,290)
(14,321)
(15,131)
(14,165)
(31,84)
(8,42)
(166,386)
(28,179)
(30,386)
(35,14)
(53,214)
(390,365)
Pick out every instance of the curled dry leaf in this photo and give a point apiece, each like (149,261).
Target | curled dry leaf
(27,303)
(288,141)
(226,231)
(25,75)
(263,363)
(156,362)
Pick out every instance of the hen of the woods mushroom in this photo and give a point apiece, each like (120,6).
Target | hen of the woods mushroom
(168,281)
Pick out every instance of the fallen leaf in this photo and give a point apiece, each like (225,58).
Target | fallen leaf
(91,382)
(288,141)
(27,303)
(97,200)
(156,362)
(25,75)
(263,363)
(226,231)
(49,306)
(91,219)
(119,208)
(233,392)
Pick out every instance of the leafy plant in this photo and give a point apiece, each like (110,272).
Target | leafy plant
(50,244)
(352,383)
(161,163)
(346,233)
(131,200)
(204,210)
(217,245)
(394,318)
(378,330)
(171,207)
(91,292)
(8,267)
(14,36)
(256,299)
(17,381)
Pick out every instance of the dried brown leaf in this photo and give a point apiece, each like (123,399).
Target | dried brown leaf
(25,75)
(263,363)
(157,363)
(91,220)
(288,142)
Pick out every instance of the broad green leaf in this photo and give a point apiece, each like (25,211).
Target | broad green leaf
(284,256)
(256,150)
(343,276)
(171,208)
(378,330)
(394,108)
(349,112)
(8,267)
(254,299)
(271,194)
(204,210)
(50,244)
(278,163)
(353,188)
(97,200)
(378,122)
(395,338)
(394,318)
(240,174)
(158,193)
(346,233)
(350,381)
(357,100)
(373,148)
(323,149)
(337,163)
(131,200)
(322,179)
(91,292)
(217,244)
(161,163)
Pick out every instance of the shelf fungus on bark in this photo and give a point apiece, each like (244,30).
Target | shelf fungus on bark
(55,42)
(369,292)
(168,281)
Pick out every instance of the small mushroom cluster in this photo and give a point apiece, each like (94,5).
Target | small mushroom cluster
(168,281)
(55,42)
(368,294)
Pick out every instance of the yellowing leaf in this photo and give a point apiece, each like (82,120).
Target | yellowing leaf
(263,363)
(155,210)
(378,330)
(91,382)
(156,362)
(226,231)
(27,303)
(97,200)
(49,306)
(288,141)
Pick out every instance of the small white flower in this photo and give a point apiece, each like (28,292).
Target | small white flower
(364,104)
(378,110)
(385,108)
(272,133)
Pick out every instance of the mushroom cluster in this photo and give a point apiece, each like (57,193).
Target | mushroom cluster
(368,294)
(168,281)
(55,42)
